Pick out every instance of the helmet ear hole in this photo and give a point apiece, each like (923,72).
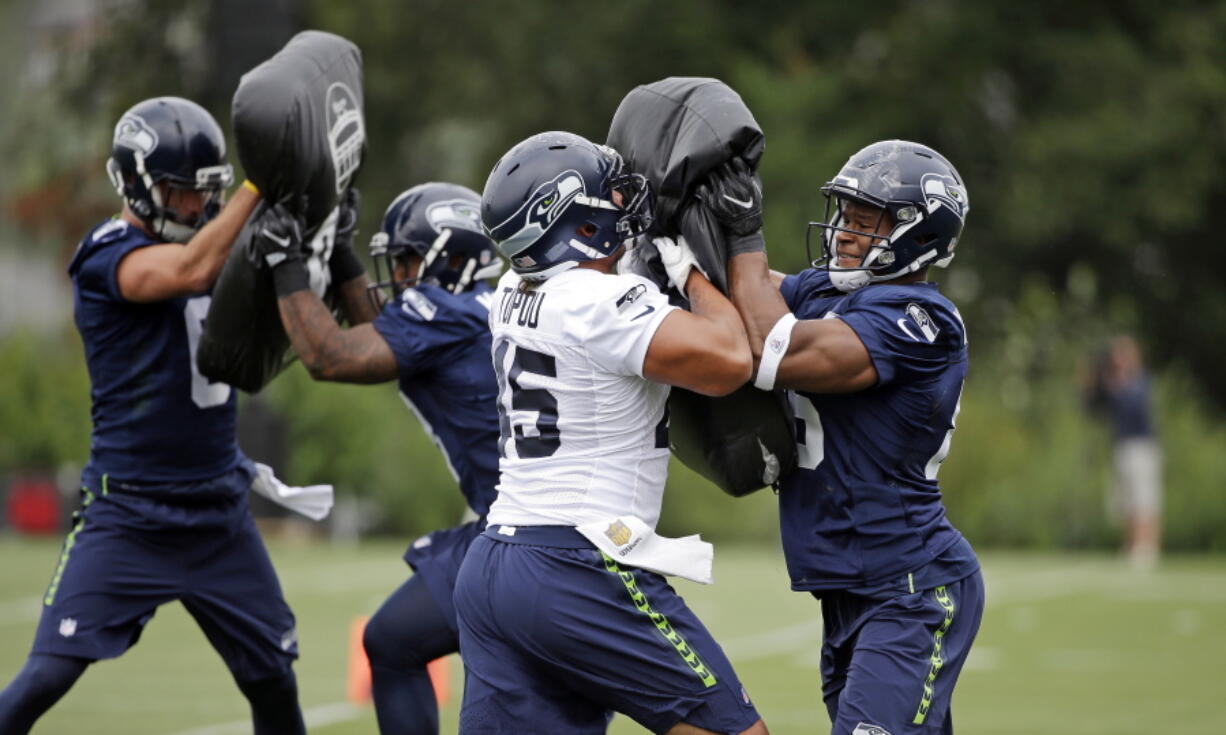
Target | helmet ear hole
(587,230)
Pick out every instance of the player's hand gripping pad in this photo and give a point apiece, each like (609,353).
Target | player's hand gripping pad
(243,342)
(300,135)
(675,132)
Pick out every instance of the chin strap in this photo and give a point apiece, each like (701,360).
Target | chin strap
(172,231)
(852,279)
(163,224)
(849,280)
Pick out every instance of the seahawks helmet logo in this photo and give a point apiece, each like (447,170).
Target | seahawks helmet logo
(544,207)
(346,132)
(551,200)
(457,214)
(947,191)
(133,132)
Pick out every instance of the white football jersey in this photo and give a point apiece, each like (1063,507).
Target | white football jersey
(584,435)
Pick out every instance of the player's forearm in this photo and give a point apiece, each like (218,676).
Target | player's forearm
(357,300)
(205,254)
(310,327)
(358,355)
(727,333)
(755,294)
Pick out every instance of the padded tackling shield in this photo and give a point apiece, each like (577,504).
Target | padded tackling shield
(298,123)
(300,135)
(674,132)
(244,343)
(741,442)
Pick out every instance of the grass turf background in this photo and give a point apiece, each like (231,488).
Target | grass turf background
(1070,644)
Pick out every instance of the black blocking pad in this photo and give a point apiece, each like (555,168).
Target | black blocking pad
(299,124)
(300,134)
(674,132)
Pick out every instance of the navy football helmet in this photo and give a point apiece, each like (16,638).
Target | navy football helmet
(918,187)
(171,141)
(442,224)
(548,204)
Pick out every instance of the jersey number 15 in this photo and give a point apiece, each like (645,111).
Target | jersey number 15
(538,438)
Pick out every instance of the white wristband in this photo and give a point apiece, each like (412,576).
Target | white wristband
(773,350)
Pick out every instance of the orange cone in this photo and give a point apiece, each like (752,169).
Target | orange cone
(441,679)
(357,683)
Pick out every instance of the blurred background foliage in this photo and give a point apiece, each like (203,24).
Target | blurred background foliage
(1092,141)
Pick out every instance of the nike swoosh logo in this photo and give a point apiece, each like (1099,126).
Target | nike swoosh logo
(280,241)
(744,205)
(648,308)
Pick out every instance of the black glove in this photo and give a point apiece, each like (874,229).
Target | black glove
(344,263)
(734,195)
(277,245)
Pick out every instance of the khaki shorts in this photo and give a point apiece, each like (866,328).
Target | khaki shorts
(1138,476)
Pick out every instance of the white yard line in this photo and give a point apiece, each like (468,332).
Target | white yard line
(773,642)
(793,637)
(21,610)
(321,716)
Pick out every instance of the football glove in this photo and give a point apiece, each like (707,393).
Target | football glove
(277,245)
(678,260)
(733,194)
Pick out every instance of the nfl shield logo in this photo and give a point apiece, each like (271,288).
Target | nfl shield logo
(68,627)
(618,533)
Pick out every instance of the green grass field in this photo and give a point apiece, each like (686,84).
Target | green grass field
(1070,645)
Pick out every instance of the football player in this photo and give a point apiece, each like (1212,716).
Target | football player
(433,336)
(561,620)
(164,511)
(874,358)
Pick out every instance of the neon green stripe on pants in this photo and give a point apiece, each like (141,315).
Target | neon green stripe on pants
(666,629)
(935,660)
(69,541)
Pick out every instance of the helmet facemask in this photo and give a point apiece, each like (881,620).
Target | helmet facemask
(878,257)
(147,196)
(437,264)
(636,201)
(906,248)
(175,226)
(385,269)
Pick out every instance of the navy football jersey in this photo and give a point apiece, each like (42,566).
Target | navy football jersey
(864,507)
(156,418)
(441,342)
